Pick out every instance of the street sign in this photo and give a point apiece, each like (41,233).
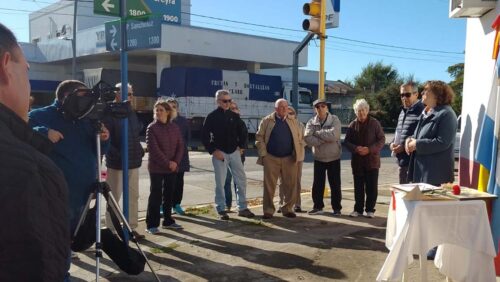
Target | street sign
(107,7)
(141,34)
(332,13)
(112,8)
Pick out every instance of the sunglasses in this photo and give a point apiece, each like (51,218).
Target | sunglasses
(226,101)
(320,106)
(406,94)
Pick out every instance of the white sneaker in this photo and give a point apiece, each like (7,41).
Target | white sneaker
(354,214)
(370,215)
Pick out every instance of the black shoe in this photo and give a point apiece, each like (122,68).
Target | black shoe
(267,216)
(246,213)
(337,213)
(223,215)
(290,215)
(298,210)
(279,210)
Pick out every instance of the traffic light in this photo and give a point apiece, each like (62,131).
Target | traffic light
(314,10)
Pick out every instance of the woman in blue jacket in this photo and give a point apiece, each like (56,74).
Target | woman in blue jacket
(431,147)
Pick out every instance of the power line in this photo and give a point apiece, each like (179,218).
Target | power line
(400,48)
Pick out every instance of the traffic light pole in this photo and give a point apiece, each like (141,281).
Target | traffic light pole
(322,35)
(295,72)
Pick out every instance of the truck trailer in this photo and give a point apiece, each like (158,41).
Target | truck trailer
(255,94)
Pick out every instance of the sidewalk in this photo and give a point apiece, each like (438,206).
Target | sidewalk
(309,248)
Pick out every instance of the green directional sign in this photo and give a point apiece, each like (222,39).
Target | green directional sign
(112,8)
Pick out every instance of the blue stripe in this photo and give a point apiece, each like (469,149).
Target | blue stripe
(485,144)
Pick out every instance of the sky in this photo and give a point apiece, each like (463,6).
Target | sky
(416,37)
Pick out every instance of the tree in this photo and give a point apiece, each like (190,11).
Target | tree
(457,84)
(374,77)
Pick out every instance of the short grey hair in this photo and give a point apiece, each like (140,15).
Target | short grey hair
(220,93)
(412,85)
(359,104)
(276,104)
(119,85)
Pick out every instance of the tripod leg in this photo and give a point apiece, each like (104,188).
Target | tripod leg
(84,214)
(116,212)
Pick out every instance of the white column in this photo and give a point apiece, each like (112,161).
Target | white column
(163,60)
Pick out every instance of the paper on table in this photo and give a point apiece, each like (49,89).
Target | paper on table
(414,190)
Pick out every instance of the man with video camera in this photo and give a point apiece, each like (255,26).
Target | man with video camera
(34,238)
(74,141)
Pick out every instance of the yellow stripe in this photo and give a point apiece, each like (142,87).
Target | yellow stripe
(484,176)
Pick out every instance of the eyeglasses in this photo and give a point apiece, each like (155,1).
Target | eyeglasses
(320,106)
(226,101)
(406,94)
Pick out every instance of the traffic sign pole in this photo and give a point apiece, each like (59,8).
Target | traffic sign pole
(124,92)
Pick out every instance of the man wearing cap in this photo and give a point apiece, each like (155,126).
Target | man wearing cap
(407,122)
(323,135)
(279,146)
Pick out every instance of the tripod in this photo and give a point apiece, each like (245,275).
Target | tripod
(103,188)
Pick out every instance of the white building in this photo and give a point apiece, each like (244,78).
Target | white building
(49,51)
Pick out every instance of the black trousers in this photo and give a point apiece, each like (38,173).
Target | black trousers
(318,189)
(179,188)
(366,184)
(159,182)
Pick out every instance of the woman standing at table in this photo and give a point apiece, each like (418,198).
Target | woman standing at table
(364,139)
(431,146)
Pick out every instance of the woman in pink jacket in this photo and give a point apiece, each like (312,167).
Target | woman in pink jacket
(165,147)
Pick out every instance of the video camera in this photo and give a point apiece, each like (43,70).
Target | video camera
(95,103)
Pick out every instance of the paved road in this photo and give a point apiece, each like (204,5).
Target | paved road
(309,248)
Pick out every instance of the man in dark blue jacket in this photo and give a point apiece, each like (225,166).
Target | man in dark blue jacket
(407,122)
(74,151)
(114,161)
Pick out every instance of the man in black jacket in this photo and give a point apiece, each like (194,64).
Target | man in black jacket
(223,138)
(407,122)
(114,161)
(34,239)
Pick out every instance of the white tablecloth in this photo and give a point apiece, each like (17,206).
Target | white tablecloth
(460,228)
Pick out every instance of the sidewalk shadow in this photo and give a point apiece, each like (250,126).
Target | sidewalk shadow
(205,268)
(269,258)
(312,232)
(117,274)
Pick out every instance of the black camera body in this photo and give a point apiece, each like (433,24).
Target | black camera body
(95,104)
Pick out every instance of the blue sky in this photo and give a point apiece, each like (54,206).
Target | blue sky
(367,30)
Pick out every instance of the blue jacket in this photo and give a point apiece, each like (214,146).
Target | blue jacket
(75,155)
(433,161)
(407,122)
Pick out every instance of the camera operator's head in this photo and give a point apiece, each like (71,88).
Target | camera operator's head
(130,92)
(14,83)
(163,112)
(67,87)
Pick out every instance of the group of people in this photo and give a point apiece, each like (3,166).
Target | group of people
(49,160)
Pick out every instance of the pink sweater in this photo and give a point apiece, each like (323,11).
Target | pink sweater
(165,144)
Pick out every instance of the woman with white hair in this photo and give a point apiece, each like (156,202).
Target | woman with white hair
(364,139)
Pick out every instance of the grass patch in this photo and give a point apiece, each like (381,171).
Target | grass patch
(201,210)
(166,249)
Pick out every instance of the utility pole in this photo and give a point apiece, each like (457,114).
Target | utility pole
(322,37)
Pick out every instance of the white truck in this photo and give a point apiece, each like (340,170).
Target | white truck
(255,94)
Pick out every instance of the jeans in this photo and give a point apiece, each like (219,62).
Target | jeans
(233,163)
(318,189)
(227,186)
